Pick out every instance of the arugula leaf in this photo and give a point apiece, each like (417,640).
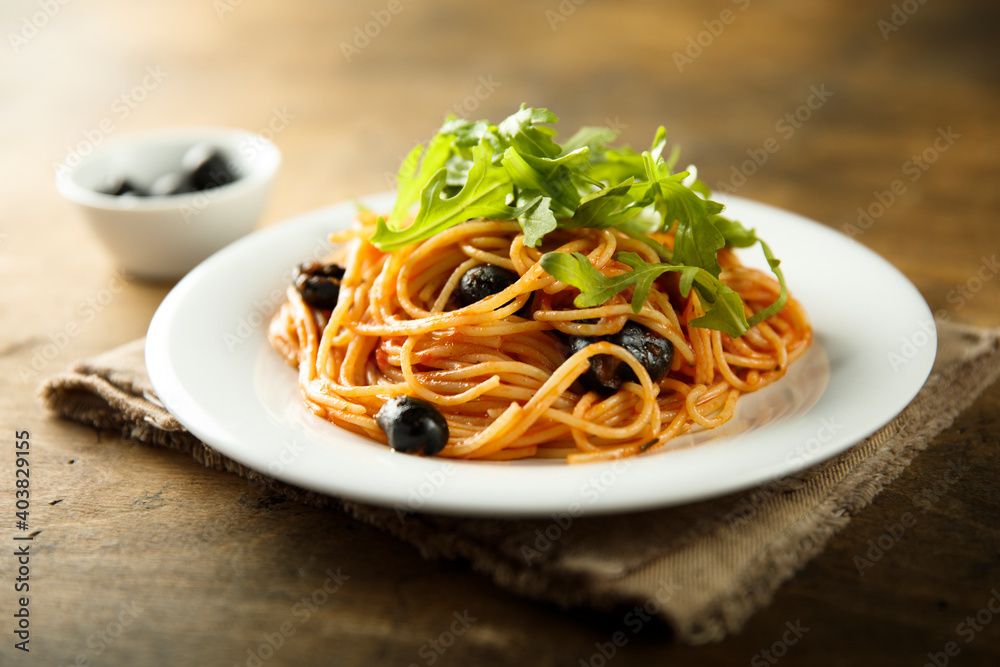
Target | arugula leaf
(593,138)
(519,131)
(614,166)
(735,234)
(536,219)
(723,311)
(467,133)
(596,288)
(671,161)
(518,171)
(696,240)
(659,142)
(484,195)
(700,187)
(604,208)
(738,236)
(637,230)
(782,299)
(645,273)
(548,176)
(414,175)
(576,270)
(723,307)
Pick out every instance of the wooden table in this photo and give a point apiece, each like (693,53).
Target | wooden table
(144,558)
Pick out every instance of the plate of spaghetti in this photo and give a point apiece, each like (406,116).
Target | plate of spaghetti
(527,327)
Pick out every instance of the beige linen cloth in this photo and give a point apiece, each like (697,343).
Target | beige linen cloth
(704,567)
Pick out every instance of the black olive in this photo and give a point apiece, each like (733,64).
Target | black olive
(319,284)
(207,167)
(173,183)
(486,280)
(202,167)
(482,281)
(119,185)
(606,373)
(413,425)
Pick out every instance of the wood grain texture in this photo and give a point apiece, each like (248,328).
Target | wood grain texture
(208,567)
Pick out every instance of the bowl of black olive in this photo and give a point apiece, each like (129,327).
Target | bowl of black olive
(163,201)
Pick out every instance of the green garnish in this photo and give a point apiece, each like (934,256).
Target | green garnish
(517,171)
(723,306)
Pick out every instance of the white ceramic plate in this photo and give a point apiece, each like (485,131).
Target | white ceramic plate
(212,367)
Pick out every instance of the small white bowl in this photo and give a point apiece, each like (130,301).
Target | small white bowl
(164,237)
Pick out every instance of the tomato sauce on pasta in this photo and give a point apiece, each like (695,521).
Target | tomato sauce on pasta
(500,370)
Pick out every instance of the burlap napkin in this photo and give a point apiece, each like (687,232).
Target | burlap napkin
(704,567)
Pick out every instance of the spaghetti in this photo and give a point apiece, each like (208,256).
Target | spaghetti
(501,370)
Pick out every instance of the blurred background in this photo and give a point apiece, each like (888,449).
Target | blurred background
(816,106)
(345,89)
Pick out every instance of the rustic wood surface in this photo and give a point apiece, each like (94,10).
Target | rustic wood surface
(144,558)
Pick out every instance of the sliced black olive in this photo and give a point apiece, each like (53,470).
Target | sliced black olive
(173,183)
(319,284)
(486,280)
(413,425)
(606,373)
(207,167)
